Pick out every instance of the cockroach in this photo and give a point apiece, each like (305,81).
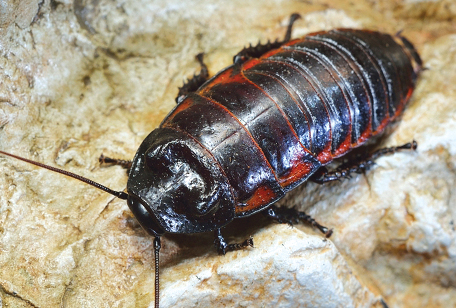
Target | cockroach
(238,142)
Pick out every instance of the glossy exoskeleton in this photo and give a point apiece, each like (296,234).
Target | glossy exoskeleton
(261,127)
(238,142)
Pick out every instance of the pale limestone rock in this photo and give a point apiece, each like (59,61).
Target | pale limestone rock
(85,77)
(289,268)
(20,12)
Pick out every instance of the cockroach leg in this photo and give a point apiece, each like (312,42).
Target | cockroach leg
(223,247)
(195,82)
(357,165)
(292,216)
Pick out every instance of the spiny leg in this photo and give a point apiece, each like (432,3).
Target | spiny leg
(292,216)
(357,165)
(260,49)
(126,164)
(195,82)
(223,247)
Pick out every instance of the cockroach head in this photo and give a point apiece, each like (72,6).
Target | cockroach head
(176,186)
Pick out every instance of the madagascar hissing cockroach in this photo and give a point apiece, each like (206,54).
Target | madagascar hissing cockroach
(238,142)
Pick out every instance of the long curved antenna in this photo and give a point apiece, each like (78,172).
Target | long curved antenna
(118,194)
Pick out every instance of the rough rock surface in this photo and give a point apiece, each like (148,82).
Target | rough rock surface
(80,78)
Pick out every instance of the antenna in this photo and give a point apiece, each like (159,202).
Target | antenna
(118,194)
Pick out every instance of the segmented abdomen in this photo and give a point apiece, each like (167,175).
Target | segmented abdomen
(272,122)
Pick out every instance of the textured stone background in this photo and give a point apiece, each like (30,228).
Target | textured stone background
(82,78)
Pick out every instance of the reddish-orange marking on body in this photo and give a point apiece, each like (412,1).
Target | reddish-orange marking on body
(292,42)
(272,52)
(250,63)
(343,148)
(225,77)
(297,172)
(382,125)
(404,102)
(262,196)
(187,103)
(364,136)
(325,156)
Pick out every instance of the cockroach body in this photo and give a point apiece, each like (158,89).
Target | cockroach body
(238,142)
(258,129)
